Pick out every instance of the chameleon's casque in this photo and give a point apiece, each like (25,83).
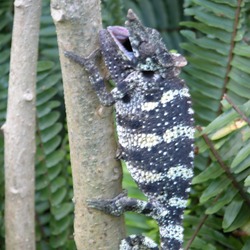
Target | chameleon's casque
(154,126)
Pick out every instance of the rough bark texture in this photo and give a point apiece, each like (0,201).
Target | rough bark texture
(96,173)
(19,129)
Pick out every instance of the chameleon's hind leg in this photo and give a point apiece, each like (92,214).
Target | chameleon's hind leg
(120,204)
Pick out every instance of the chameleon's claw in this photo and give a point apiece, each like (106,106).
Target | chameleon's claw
(74,57)
(82,60)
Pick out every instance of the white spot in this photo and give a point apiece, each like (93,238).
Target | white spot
(179,171)
(171,94)
(177,202)
(178,131)
(164,213)
(147,106)
(143,176)
(190,111)
(172,232)
(191,154)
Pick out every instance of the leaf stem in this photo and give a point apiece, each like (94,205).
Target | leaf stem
(236,108)
(230,55)
(217,156)
(203,220)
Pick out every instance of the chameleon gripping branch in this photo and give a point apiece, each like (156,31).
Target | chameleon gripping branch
(154,126)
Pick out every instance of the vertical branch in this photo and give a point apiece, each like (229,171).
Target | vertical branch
(19,129)
(96,173)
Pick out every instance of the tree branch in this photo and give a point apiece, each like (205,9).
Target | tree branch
(19,129)
(96,173)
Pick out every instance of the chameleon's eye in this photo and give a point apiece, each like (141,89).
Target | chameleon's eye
(148,73)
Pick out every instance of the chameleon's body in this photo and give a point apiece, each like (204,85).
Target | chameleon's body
(154,126)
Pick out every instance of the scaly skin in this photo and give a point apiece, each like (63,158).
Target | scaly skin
(154,126)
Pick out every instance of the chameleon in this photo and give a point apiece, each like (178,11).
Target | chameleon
(155,126)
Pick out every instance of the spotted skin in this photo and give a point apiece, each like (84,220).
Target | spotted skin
(154,126)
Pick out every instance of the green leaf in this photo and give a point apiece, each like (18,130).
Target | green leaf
(221,202)
(241,219)
(55,171)
(44,219)
(212,172)
(215,188)
(61,211)
(247,181)
(58,227)
(45,96)
(43,195)
(41,182)
(50,132)
(242,166)
(48,120)
(59,240)
(54,158)
(58,196)
(42,207)
(44,66)
(217,9)
(46,108)
(241,156)
(52,145)
(247,245)
(47,83)
(57,183)
(231,212)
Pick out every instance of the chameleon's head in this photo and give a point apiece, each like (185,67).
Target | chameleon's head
(144,46)
(148,48)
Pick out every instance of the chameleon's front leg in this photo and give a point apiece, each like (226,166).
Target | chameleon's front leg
(97,81)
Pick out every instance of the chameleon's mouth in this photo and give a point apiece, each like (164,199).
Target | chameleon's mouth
(121,38)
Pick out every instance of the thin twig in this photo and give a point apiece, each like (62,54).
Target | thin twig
(236,108)
(196,232)
(225,167)
(202,222)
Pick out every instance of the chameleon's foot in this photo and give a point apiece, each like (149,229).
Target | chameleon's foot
(110,206)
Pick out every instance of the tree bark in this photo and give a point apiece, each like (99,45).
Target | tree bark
(20,126)
(96,173)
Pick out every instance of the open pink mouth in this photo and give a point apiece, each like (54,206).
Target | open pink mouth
(121,37)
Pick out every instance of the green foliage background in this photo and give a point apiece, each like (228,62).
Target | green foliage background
(214,36)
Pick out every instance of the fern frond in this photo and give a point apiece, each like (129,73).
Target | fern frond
(54,207)
(220,57)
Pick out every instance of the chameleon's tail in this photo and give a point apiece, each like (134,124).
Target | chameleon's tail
(171,237)
(133,242)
